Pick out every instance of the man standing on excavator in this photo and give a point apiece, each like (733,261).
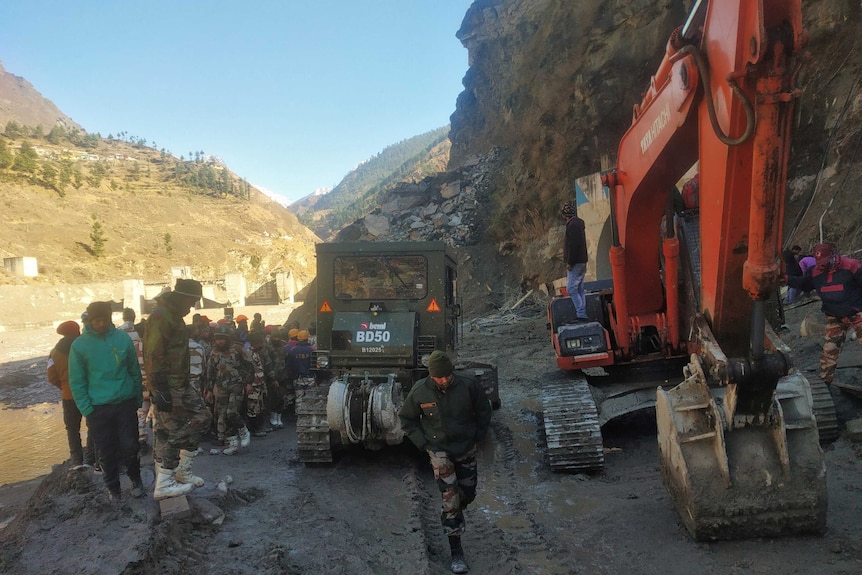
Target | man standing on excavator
(575,256)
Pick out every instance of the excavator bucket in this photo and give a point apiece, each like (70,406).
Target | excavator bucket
(750,479)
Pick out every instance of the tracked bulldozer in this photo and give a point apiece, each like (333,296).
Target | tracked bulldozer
(383,308)
(739,437)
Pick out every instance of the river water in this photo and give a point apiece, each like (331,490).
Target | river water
(34,439)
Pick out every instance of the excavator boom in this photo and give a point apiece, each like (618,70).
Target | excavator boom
(738,439)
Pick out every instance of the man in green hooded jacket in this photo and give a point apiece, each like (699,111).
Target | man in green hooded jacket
(105,380)
(445,415)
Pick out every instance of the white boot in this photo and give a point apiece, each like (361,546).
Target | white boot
(232,445)
(244,437)
(166,486)
(278,419)
(183,473)
(273,420)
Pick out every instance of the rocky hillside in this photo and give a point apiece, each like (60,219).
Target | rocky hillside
(553,83)
(120,210)
(93,209)
(22,103)
(362,188)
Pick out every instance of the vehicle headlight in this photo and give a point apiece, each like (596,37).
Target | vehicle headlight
(323,361)
(426,357)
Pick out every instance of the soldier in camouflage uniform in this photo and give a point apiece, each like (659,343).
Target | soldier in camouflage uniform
(838,281)
(180,414)
(262,381)
(444,415)
(277,395)
(225,376)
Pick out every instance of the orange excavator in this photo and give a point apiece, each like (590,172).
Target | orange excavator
(738,438)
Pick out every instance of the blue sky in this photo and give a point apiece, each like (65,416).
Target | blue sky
(291,94)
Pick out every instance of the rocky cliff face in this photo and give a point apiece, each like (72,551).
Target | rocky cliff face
(553,82)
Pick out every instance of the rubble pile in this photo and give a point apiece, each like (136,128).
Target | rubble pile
(452,207)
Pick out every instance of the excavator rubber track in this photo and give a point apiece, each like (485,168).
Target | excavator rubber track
(574,436)
(312,428)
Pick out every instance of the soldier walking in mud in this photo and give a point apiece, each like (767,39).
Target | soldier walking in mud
(181,417)
(445,414)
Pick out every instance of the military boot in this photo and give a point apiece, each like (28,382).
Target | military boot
(183,473)
(458,564)
(232,445)
(244,437)
(273,420)
(166,486)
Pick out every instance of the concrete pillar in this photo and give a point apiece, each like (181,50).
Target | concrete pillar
(234,284)
(286,287)
(133,292)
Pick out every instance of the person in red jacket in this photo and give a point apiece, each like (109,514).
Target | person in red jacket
(838,282)
(58,376)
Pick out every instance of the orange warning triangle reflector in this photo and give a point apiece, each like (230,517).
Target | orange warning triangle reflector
(433,305)
(324,308)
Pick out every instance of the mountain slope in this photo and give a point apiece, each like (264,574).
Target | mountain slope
(553,82)
(154,211)
(22,103)
(362,188)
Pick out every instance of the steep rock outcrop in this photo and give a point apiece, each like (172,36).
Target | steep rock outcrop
(553,82)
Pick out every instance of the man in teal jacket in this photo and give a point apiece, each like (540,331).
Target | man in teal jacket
(445,415)
(105,379)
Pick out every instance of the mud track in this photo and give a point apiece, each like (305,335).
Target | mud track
(378,512)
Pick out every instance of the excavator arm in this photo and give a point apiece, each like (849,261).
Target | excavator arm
(738,439)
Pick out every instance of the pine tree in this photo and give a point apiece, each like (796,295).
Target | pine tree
(6,157)
(25,160)
(97,237)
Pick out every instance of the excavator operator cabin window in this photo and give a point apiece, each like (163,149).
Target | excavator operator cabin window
(380,277)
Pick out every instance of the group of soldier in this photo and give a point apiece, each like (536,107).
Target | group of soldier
(222,377)
(247,375)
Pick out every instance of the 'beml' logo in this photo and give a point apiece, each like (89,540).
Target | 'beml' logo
(372,325)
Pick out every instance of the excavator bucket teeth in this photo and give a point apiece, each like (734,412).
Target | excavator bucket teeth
(748,480)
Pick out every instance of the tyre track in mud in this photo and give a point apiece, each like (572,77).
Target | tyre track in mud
(509,509)
(506,532)
(354,516)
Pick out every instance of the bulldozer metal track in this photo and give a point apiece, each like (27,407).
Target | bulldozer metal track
(312,428)
(824,411)
(574,436)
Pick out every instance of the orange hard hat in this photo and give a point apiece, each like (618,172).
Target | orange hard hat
(241,318)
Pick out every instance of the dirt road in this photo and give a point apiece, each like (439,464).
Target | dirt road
(374,513)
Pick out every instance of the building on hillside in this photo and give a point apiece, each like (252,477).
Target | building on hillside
(21,266)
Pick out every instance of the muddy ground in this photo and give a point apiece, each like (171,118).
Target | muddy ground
(374,513)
